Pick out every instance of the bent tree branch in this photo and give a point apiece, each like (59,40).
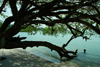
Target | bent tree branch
(61,51)
(64,45)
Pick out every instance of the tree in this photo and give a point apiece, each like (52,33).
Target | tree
(59,16)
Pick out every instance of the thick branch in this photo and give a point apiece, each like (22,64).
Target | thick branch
(96,20)
(62,52)
(3,5)
(6,23)
(14,9)
(11,31)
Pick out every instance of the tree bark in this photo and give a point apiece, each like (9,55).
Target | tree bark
(23,44)
(6,23)
(3,5)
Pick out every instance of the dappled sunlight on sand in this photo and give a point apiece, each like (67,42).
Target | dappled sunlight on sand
(20,58)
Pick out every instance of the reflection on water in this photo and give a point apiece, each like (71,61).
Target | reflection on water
(90,58)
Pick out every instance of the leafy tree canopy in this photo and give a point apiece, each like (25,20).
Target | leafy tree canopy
(78,17)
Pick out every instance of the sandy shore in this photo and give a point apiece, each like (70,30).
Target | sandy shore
(20,58)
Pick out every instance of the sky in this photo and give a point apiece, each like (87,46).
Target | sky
(8,13)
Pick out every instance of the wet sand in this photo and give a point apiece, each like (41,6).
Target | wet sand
(20,58)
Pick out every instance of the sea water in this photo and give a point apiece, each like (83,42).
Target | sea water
(89,59)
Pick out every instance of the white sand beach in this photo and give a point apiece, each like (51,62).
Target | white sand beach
(20,58)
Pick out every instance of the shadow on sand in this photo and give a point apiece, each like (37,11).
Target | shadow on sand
(19,58)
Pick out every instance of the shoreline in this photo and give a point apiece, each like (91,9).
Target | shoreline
(21,58)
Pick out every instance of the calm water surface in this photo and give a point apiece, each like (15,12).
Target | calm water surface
(89,59)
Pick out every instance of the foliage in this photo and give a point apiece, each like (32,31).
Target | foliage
(78,17)
(55,30)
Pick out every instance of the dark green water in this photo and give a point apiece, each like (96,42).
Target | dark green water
(89,59)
